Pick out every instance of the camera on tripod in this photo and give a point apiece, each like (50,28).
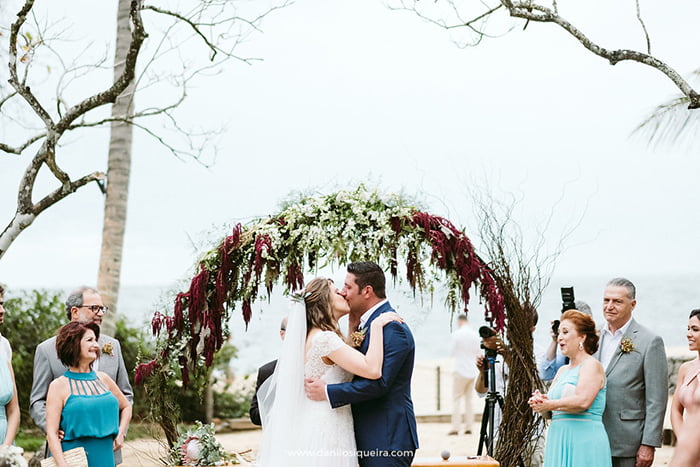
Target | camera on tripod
(567,303)
(485,333)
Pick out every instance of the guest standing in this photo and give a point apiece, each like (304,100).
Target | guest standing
(83,305)
(87,406)
(465,351)
(685,410)
(576,435)
(9,406)
(635,365)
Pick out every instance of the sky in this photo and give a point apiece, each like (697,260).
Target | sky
(350,92)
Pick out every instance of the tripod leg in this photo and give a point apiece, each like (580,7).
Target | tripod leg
(484,426)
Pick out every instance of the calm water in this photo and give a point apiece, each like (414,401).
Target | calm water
(663,303)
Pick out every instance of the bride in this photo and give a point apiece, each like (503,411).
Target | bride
(298,431)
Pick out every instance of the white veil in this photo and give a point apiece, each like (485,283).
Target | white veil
(281,397)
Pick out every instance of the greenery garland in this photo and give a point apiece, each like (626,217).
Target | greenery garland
(346,226)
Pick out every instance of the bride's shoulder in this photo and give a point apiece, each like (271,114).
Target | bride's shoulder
(324,339)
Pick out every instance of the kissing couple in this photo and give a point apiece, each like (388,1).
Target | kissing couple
(337,403)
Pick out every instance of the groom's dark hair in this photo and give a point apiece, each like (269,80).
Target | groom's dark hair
(368,273)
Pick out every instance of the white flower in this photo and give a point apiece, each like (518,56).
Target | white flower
(12,456)
(193,450)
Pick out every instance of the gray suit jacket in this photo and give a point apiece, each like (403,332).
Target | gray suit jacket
(637,393)
(47,367)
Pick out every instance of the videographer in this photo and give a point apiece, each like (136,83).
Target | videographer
(550,361)
(494,348)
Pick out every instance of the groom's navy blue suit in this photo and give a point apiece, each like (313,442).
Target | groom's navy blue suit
(385,425)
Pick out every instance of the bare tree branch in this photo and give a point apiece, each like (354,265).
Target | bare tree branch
(531,11)
(20,86)
(644,27)
(20,149)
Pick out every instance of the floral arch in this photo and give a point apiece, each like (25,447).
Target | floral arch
(346,226)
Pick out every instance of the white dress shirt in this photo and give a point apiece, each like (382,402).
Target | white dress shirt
(609,342)
(365,316)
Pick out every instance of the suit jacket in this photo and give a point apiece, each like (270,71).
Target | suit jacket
(382,409)
(637,393)
(47,367)
(264,372)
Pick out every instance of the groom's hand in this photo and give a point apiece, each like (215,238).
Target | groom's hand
(315,389)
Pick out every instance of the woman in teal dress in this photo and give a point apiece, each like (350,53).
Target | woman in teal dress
(86,405)
(576,436)
(9,406)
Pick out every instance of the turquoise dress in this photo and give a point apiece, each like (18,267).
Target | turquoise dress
(6,392)
(90,418)
(576,439)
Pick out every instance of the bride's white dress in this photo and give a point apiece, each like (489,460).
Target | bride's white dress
(311,433)
(329,432)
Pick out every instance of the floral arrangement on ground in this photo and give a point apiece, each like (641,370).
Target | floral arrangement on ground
(12,456)
(198,446)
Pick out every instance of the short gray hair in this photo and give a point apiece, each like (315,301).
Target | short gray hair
(75,298)
(583,307)
(626,283)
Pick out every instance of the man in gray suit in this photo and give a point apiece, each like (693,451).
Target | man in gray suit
(85,305)
(635,365)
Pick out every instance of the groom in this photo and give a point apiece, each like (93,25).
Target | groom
(385,426)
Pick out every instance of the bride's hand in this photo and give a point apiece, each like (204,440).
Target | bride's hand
(386,318)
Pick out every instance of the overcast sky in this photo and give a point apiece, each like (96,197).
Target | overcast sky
(349,92)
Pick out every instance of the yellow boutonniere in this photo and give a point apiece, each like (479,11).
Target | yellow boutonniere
(358,337)
(108,348)
(627,345)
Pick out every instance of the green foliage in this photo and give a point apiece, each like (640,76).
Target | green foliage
(30,319)
(134,343)
(189,401)
(30,440)
(232,404)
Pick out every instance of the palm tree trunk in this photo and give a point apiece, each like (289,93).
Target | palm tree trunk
(118,171)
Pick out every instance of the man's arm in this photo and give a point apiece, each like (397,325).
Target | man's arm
(122,376)
(41,380)
(656,383)
(396,349)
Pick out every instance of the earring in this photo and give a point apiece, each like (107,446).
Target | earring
(580,345)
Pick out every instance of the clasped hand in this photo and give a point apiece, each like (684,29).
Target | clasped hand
(539,402)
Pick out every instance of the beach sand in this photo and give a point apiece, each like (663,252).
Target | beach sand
(432,402)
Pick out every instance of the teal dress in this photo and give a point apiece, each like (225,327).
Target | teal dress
(576,439)
(90,418)
(6,392)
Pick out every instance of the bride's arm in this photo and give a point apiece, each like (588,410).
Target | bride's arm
(369,365)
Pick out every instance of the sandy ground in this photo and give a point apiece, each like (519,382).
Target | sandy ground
(433,440)
(431,397)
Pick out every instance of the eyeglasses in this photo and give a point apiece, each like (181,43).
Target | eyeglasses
(95,308)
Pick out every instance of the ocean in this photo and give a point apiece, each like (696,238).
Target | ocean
(663,304)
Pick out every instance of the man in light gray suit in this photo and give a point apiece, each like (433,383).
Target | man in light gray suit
(635,365)
(85,305)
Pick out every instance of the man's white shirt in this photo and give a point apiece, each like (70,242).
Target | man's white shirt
(610,342)
(365,316)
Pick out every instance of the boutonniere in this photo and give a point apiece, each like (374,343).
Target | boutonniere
(358,337)
(108,348)
(627,345)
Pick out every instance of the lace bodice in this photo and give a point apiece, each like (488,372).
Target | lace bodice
(322,344)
